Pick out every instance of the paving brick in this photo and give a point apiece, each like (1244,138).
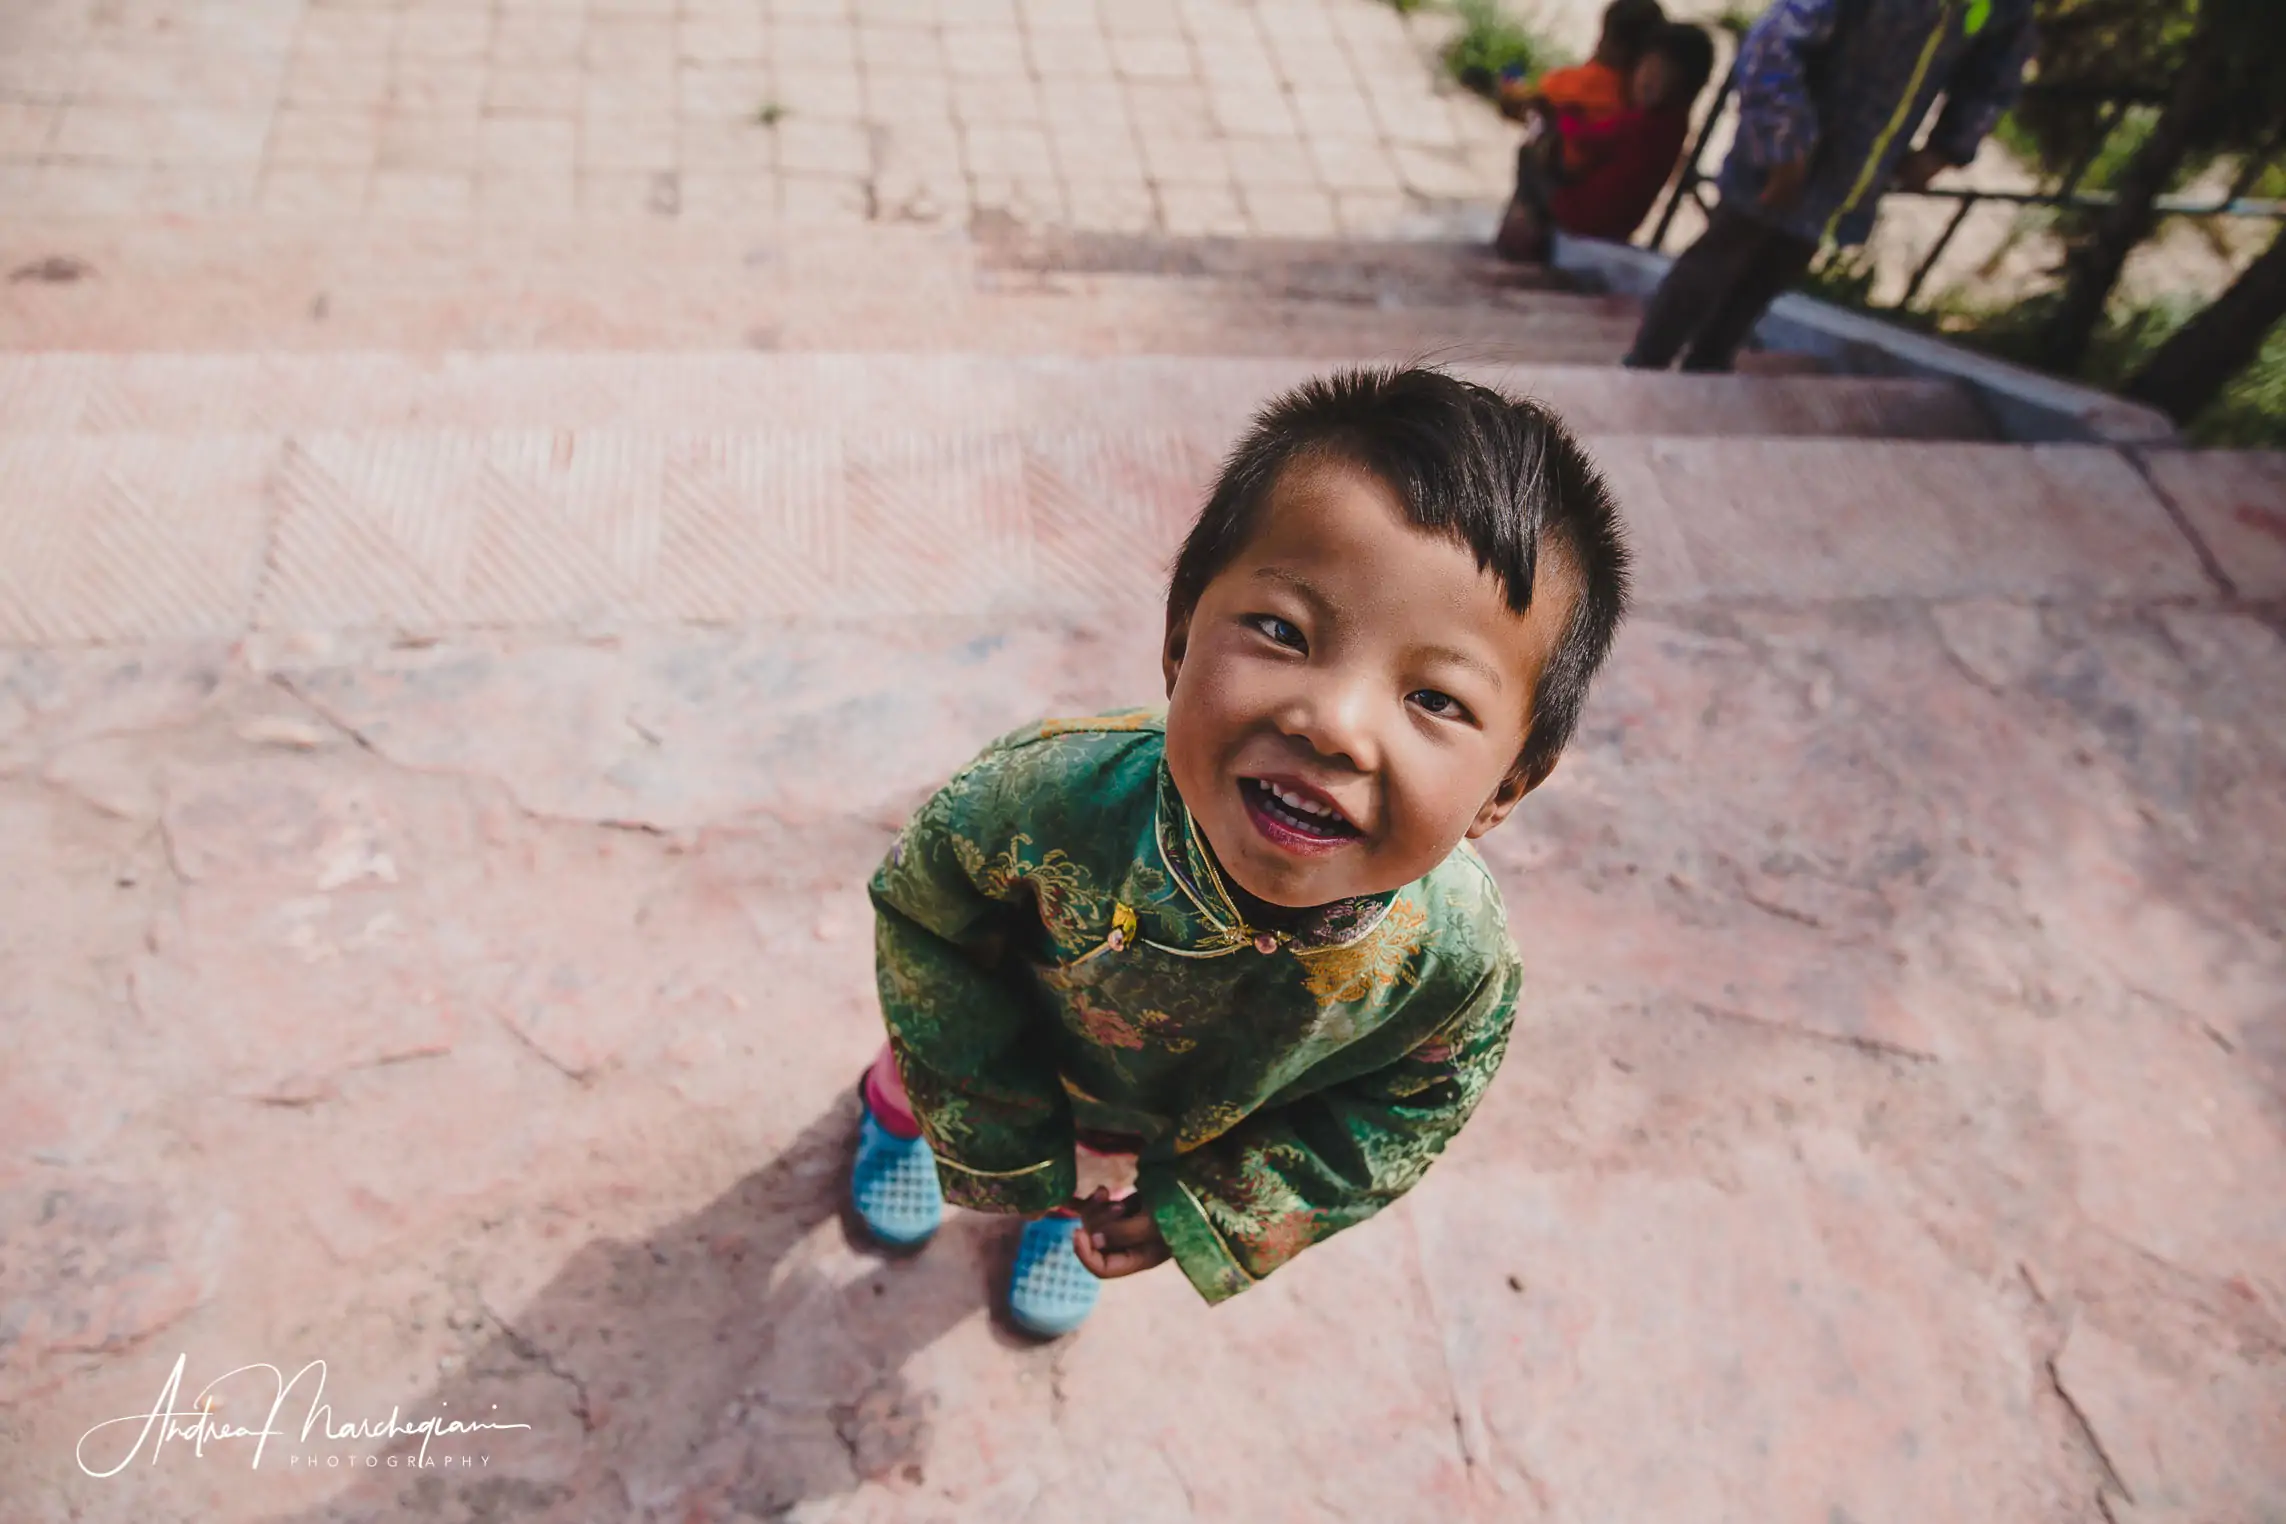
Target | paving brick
(812,200)
(1354,164)
(451,87)
(1252,113)
(1070,53)
(988,54)
(529,145)
(201,190)
(1034,200)
(1333,113)
(1271,163)
(540,39)
(1185,160)
(39,75)
(1438,175)
(723,90)
(828,148)
(899,96)
(1113,205)
(437,144)
(815,92)
(91,189)
(627,142)
(1156,20)
(1151,56)
(519,86)
(990,150)
(739,37)
(725,144)
(513,196)
(333,192)
(901,49)
(421,192)
(1060,15)
(2235,502)
(108,134)
(1003,102)
(1290,211)
(433,32)
(1196,210)
(826,44)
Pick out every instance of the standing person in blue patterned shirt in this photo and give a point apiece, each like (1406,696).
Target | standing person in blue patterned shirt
(1830,96)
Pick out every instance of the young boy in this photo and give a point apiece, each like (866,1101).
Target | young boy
(1598,88)
(1243,940)
(1598,179)
(1830,94)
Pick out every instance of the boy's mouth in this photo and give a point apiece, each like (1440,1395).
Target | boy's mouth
(1295,816)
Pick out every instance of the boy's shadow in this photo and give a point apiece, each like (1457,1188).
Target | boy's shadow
(706,1373)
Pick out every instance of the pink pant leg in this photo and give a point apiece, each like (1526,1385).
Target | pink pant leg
(885,1097)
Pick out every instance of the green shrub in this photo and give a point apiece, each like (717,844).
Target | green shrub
(1491,41)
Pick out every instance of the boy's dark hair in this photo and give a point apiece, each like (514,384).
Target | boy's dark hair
(1692,53)
(1633,23)
(1501,476)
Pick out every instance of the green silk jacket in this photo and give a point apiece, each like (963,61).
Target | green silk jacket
(1057,953)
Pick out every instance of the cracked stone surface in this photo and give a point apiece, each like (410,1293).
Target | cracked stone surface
(1892,1132)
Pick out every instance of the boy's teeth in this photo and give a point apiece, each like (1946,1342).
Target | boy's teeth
(1296,801)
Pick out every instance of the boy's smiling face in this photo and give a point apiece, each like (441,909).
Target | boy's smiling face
(1348,699)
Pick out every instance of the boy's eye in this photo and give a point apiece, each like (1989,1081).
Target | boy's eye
(1280,630)
(1443,705)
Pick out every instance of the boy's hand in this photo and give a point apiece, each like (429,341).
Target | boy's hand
(1918,168)
(1783,187)
(1118,1238)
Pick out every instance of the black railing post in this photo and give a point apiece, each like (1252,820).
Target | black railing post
(1688,183)
(1937,250)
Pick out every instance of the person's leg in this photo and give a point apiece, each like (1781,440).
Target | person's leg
(893,1180)
(1778,261)
(1526,228)
(885,1097)
(1697,285)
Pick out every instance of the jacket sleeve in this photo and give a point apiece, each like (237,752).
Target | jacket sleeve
(981,1084)
(1238,1207)
(1777,121)
(1984,84)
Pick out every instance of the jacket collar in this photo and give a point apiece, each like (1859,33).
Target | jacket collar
(1189,861)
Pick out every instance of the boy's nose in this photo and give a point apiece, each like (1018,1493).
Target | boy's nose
(1337,717)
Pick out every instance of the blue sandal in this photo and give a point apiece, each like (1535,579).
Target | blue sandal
(1051,1292)
(894,1186)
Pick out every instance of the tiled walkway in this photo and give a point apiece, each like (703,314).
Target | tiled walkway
(1305,117)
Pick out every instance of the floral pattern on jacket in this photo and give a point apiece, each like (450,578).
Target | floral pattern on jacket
(1057,952)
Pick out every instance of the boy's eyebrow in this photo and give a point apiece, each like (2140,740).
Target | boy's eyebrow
(1302,585)
(1460,658)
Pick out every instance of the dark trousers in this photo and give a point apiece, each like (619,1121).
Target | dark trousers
(1716,292)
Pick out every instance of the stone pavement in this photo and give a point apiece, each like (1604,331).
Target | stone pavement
(1297,117)
(1893,1133)
(484,570)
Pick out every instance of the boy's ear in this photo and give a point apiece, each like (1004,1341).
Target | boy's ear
(1511,793)
(1171,654)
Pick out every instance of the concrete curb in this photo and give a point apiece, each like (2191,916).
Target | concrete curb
(2025,405)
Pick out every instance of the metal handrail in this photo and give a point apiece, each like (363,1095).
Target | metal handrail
(2067,194)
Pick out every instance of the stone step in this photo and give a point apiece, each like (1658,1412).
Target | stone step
(265,285)
(124,536)
(287,393)
(2235,502)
